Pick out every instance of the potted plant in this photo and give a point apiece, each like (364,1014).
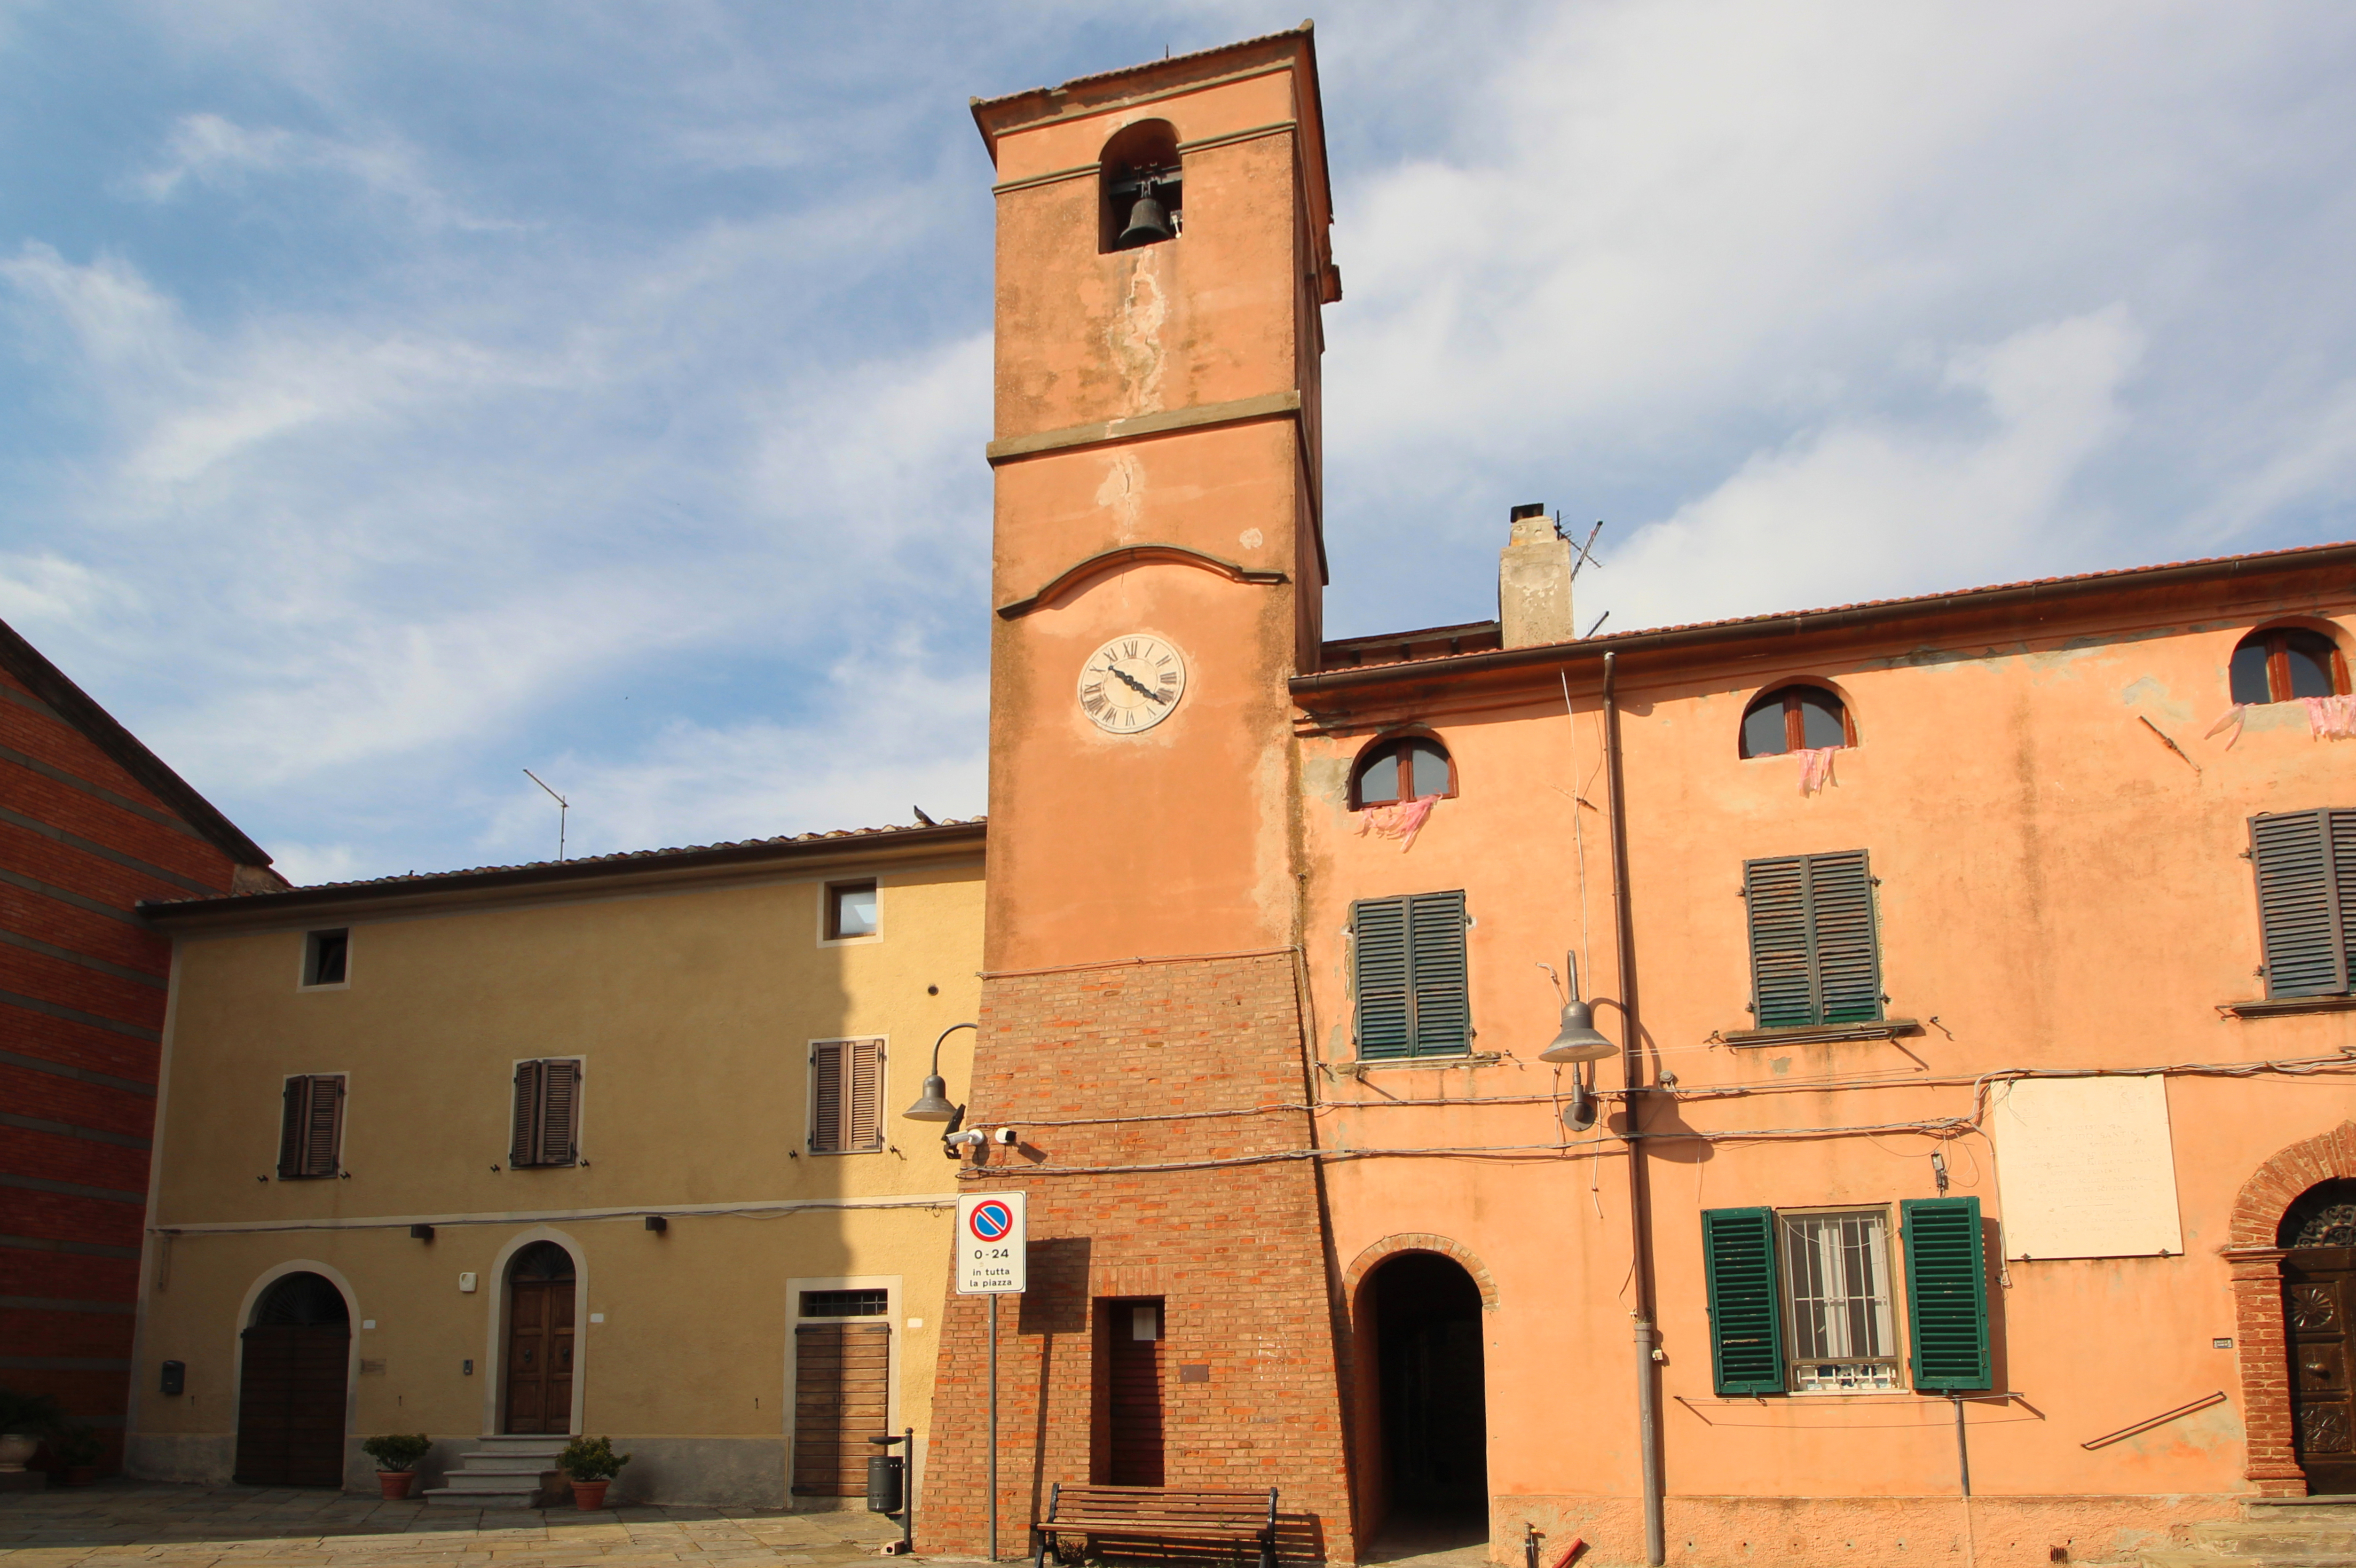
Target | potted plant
(78,1449)
(591,1463)
(396,1456)
(25,1420)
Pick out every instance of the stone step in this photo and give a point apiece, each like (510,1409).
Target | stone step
(2268,1537)
(503,1480)
(2194,1558)
(500,1462)
(450,1496)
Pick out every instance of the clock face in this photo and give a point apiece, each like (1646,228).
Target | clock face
(1132,683)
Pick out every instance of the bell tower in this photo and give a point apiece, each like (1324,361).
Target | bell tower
(1162,263)
(1162,259)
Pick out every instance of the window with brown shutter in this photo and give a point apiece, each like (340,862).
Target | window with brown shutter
(311,1127)
(846,1096)
(546,1121)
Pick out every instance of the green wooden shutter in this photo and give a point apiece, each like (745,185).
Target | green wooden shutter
(1439,1012)
(2306,865)
(1816,958)
(1746,1308)
(1380,954)
(1947,1292)
(1848,955)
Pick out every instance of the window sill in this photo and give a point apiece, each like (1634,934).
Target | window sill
(1809,1034)
(2275,1006)
(1385,1063)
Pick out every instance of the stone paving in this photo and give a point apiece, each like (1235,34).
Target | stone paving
(132,1524)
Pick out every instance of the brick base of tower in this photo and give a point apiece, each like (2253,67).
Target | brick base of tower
(1234,1252)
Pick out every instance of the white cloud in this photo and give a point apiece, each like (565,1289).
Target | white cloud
(211,151)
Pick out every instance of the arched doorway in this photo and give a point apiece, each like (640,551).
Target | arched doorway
(291,1385)
(1426,1342)
(2318,1235)
(539,1364)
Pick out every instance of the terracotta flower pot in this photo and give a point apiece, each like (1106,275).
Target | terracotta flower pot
(15,1447)
(590,1495)
(395,1484)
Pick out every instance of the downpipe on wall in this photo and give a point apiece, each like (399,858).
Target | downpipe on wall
(1640,1217)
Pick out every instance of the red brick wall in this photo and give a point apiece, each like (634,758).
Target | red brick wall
(81,1015)
(1236,1252)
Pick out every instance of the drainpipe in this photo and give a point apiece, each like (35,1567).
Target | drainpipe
(1639,1225)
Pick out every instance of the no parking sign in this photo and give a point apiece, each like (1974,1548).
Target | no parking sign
(991,1243)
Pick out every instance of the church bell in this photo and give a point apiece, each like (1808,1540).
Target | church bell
(1147,221)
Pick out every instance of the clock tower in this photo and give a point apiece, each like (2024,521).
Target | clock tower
(1162,260)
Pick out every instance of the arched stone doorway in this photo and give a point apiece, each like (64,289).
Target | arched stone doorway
(1420,1340)
(295,1354)
(538,1364)
(2293,1298)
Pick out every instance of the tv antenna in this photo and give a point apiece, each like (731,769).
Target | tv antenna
(562,806)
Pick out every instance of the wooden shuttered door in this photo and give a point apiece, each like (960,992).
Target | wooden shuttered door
(846,1096)
(545,1127)
(2306,865)
(1409,954)
(843,1386)
(1816,958)
(1746,1304)
(311,1127)
(1947,1294)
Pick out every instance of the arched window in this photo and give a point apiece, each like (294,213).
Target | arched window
(1144,189)
(1795,719)
(1407,768)
(2276,664)
(302,1299)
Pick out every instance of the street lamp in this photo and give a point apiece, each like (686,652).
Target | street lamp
(933,1105)
(1578,1040)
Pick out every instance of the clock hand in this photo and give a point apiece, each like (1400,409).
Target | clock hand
(1134,683)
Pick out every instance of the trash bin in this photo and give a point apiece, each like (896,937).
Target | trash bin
(884,1474)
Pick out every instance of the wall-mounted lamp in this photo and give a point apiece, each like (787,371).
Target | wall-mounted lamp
(657,1224)
(933,1105)
(1578,1040)
(420,1232)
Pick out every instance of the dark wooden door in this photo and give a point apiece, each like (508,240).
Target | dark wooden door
(842,1391)
(2319,1308)
(1133,1454)
(290,1405)
(540,1356)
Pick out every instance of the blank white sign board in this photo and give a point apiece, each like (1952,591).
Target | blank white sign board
(2085,1167)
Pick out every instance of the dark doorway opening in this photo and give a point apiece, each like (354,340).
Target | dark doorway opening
(2319,1233)
(1427,1337)
(540,1339)
(1129,1404)
(291,1385)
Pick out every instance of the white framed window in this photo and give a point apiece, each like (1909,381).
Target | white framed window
(1837,1306)
(850,912)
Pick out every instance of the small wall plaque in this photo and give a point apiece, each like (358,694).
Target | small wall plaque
(372,1367)
(1197,1373)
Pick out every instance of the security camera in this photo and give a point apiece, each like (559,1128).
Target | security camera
(973,1137)
(1006,1135)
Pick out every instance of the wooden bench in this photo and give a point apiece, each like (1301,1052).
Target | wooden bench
(1161,1514)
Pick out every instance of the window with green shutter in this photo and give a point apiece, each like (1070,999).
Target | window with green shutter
(1815,956)
(2305,866)
(1947,1292)
(1409,955)
(1746,1317)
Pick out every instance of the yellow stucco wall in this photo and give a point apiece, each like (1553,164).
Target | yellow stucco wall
(693,1010)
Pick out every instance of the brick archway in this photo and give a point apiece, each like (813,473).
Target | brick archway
(1419,1241)
(2262,1348)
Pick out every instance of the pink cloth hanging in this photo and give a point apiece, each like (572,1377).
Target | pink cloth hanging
(2331,716)
(1815,768)
(2232,721)
(1401,819)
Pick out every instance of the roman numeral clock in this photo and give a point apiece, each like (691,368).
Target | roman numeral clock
(1131,684)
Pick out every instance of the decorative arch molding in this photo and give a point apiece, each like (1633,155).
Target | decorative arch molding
(495,1338)
(2263,1349)
(1420,1241)
(1109,561)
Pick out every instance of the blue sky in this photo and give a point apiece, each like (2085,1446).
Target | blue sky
(393,398)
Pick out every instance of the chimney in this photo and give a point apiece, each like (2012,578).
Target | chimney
(1534,581)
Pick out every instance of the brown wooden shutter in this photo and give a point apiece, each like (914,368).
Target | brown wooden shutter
(826,1096)
(323,1125)
(842,1383)
(863,1099)
(295,1103)
(559,1116)
(523,1144)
